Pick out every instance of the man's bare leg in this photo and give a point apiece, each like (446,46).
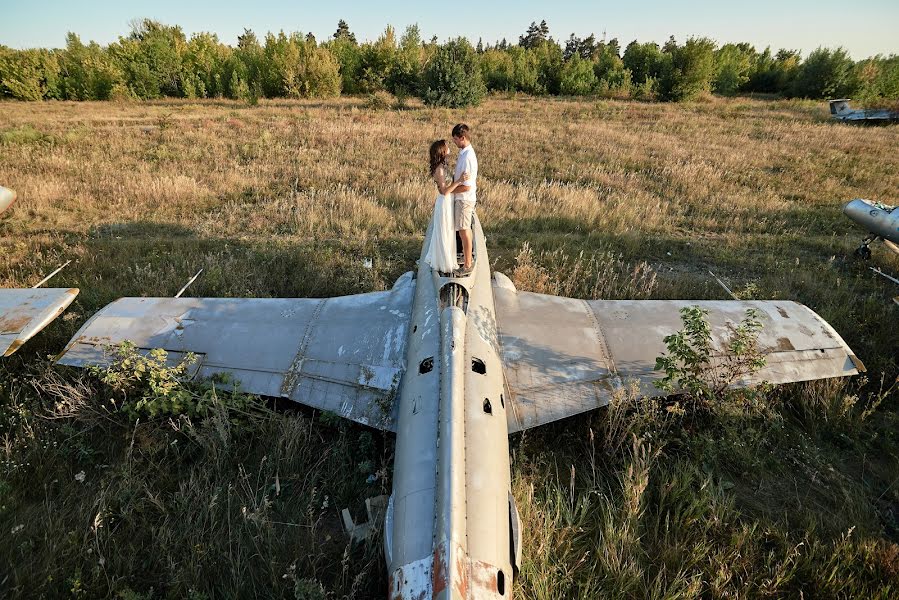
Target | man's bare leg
(465,234)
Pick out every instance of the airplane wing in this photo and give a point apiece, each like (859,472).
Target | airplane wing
(24,312)
(345,355)
(564,356)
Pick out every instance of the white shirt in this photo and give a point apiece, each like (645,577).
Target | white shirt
(467,162)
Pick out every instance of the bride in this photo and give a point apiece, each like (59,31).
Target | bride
(441,254)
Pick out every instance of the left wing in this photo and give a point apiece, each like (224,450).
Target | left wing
(345,355)
(24,312)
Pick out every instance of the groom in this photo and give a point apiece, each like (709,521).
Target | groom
(464,198)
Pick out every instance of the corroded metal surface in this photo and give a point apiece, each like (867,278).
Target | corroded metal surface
(25,312)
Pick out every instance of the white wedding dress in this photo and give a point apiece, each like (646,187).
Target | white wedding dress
(441,254)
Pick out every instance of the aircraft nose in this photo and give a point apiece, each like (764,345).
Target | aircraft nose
(857,209)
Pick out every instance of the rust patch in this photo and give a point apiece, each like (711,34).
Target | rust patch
(784,344)
(14,322)
(461,584)
(859,365)
(438,573)
(783,313)
(483,577)
(13,347)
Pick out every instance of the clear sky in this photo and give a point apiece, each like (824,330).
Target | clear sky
(865,27)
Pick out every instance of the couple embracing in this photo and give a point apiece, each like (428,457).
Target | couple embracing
(454,207)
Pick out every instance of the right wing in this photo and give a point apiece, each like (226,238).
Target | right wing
(24,312)
(345,355)
(564,356)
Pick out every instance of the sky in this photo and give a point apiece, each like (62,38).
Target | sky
(864,28)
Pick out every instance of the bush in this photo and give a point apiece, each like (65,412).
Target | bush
(689,367)
(147,385)
(452,77)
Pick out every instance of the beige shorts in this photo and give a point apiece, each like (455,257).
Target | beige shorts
(464,213)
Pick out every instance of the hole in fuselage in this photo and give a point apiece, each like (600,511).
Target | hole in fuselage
(501,401)
(487,407)
(414,328)
(426,366)
(501,583)
(453,294)
(478,366)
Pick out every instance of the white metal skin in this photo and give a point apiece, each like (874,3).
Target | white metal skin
(450,537)
(7,197)
(881,222)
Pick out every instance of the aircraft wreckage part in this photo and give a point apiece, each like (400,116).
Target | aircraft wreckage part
(25,312)
(563,356)
(344,355)
(7,197)
(882,222)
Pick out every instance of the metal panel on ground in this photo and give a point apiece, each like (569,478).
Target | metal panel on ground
(24,312)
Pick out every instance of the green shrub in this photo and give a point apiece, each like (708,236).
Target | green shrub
(452,78)
(690,367)
(148,385)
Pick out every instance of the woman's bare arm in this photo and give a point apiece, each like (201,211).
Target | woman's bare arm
(442,186)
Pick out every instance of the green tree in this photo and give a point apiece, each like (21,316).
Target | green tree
(32,74)
(825,74)
(404,76)
(376,61)
(204,64)
(88,72)
(577,78)
(690,71)
(525,71)
(535,35)
(343,32)
(452,77)
(497,70)
(548,56)
(733,64)
(644,61)
(878,80)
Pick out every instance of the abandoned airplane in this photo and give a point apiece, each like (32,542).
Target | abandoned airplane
(879,220)
(452,365)
(841,111)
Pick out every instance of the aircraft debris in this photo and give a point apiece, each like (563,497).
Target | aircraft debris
(880,220)
(841,111)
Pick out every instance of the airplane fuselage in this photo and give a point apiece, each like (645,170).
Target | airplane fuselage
(448,530)
(883,223)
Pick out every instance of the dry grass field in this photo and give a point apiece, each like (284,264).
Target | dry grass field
(796,491)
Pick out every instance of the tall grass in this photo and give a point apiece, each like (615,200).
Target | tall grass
(793,494)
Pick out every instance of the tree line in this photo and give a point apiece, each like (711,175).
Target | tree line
(156,60)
